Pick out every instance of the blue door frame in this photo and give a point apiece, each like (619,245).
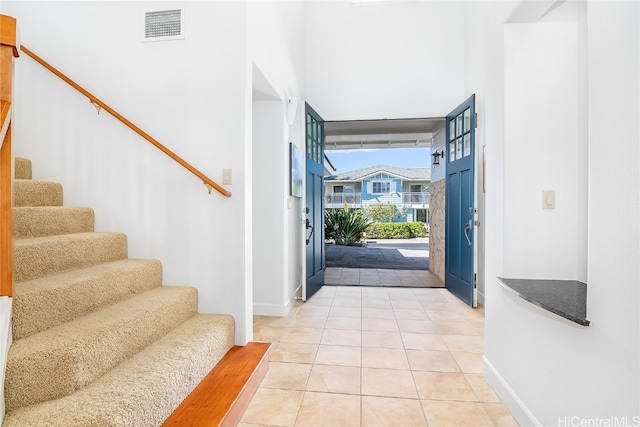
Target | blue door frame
(314,221)
(459,206)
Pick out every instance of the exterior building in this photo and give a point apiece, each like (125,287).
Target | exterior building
(402,187)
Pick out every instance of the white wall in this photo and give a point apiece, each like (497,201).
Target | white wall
(195,96)
(268,207)
(541,147)
(544,367)
(475,83)
(385,60)
(190,94)
(485,77)
(275,37)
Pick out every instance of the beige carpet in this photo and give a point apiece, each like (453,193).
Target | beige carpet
(98,341)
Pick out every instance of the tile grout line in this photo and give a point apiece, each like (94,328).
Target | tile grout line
(334,296)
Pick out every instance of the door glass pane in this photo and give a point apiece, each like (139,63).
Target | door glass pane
(459,148)
(452,130)
(467,120)
(467,144)
(452,151)
(314,149)
(320,150)
(308,144)
(459,124)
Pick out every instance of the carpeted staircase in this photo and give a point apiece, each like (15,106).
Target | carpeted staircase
(98,341)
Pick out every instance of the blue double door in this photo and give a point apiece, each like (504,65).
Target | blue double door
(459,206)
(314,210)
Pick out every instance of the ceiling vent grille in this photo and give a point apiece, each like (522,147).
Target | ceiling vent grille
(163,25)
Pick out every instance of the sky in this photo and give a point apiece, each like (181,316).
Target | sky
(348,160)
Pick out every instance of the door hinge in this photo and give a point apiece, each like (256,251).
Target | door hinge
(475,280)
(475,120)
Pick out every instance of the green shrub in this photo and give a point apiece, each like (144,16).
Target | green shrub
(384,212)
(396,230)
(418,229)
(346,227)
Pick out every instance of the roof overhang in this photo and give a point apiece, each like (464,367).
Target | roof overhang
(384,133)
(382,171)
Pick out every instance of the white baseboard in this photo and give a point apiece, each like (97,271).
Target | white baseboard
(510,399)
(480,298)
(269,309)
(280,310)
(5,342)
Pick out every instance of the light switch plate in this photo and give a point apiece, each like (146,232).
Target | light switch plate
(226,176)
(548,199)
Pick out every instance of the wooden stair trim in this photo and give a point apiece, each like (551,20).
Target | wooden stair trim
(224,394)
(6,205)
(8,51)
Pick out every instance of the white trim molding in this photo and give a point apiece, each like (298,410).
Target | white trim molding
(511,400)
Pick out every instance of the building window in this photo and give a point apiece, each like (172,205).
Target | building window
(343,188)
(381,187)
(422,215)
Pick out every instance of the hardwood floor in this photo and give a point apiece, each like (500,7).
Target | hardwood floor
(223,395)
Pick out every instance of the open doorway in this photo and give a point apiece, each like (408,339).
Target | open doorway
(389,185)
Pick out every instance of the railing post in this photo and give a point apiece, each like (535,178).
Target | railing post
(8,50)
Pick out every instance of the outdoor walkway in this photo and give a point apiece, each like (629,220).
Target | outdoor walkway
(392,254)
(381,277)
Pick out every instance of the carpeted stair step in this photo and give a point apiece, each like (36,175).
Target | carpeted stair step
(42,256)
(22,168)
(59,361)
(36,193)
(51,220)
(49,301)
(145,389)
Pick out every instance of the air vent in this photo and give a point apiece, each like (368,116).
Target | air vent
(163,25)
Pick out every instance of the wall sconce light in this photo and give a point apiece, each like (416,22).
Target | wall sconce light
(436,157)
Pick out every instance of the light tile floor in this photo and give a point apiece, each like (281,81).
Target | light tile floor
(381,277)
(375,356)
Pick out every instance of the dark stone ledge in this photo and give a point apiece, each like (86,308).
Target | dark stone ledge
(566,298)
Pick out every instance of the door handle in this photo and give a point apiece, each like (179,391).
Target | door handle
(309,226)
(467,228)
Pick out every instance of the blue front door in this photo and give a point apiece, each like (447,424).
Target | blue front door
(314,221)
(459,207)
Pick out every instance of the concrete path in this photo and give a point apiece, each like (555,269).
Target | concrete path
(393,254)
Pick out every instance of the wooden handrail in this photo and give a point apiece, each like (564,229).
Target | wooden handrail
(207,181)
